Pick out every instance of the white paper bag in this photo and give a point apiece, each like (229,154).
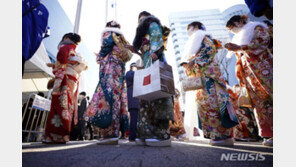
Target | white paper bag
(154,82)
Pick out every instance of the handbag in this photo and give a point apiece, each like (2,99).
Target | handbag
(125,54)
(102,120)
(194,83)
(50,83)
(244,99)
(228,117)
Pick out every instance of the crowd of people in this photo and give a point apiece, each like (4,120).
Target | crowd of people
(243,112)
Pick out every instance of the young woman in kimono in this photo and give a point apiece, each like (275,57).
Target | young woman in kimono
(247,129)
(63,111)
(212,99)
(154,116)
(254,69)
(110,95)
(176,128)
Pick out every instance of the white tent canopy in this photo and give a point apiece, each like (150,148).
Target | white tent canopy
(37,74)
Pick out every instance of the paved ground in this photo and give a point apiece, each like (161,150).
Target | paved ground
(87,153)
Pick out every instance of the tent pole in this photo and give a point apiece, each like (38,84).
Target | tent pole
(78,14)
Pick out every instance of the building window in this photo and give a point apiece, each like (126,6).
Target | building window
(176,46)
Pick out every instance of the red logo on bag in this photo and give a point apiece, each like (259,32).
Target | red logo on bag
(147,80)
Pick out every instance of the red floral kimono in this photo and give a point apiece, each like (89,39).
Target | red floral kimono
(63,110)
(254,70)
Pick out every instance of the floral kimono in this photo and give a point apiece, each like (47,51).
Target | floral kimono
(247,127)
(254,70)
(176,127)
(110,94)
(63,111)
(213,98)
(154,116)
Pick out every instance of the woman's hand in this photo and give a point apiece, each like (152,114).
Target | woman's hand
(154,56)
(232,47)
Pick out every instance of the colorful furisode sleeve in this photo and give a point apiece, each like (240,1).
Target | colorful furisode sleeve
(107,46)
(260,41)
(156,41)
(205,54)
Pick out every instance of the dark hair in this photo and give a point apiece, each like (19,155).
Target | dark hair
(144,13)
(73,37)
(82,93)
(113,24)
(196,24)
(142,30)
(268,23)
(236,18)
(87,97)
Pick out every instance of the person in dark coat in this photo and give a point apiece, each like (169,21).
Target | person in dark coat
(133,103)
(78,131)
(88,124)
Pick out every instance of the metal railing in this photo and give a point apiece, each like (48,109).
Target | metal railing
(34,116)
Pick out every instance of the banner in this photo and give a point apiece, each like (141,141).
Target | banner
(41,103)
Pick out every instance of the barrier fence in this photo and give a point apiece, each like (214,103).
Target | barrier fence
(34,116)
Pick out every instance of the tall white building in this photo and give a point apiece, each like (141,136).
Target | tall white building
(215,23)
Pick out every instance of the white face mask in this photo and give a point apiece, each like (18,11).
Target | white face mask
(79,97)
(235,30)
(134,68)
(191,30)
(141,19)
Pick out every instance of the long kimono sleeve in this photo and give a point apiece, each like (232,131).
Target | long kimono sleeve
(60,67)
(204,55)
(239,72)
(260,42)
(107,46)
(156,41)
(62,58)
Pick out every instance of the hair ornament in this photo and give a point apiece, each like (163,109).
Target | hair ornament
(244,17)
